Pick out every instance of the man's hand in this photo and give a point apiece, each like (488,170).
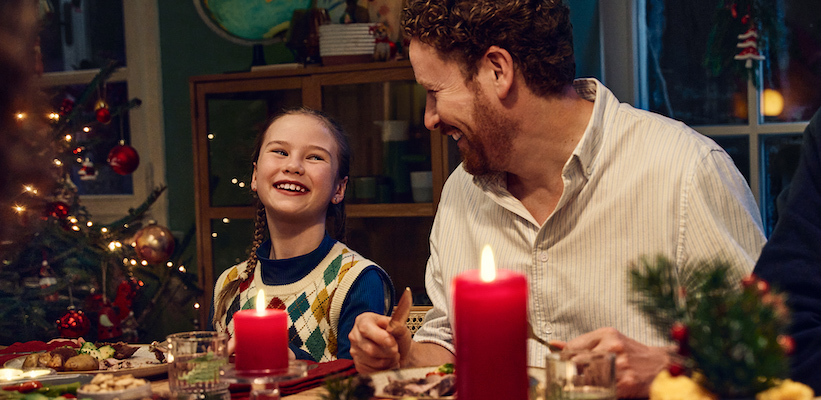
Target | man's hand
(636,364)
(374,347)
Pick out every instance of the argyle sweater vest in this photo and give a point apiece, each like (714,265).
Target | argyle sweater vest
(313,304)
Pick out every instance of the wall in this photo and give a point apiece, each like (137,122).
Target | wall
(190,48)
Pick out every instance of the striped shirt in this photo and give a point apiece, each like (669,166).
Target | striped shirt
(637,184)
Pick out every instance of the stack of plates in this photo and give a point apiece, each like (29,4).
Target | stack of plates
(340,43)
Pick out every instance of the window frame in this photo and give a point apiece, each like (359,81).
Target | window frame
(624,53)
(142,76)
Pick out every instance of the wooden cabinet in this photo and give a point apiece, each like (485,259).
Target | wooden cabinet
(382,109)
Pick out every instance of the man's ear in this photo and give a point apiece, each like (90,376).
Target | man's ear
(499,61)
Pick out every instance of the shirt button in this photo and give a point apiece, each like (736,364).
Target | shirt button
(543,256)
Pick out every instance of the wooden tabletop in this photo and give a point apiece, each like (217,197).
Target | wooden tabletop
(161,387)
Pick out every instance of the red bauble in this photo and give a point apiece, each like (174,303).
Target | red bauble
(787,343)
(679,332)
(123,159)
(57,209)
(103,115)
(154,244)
(676,369)
(66,106)
(74,324)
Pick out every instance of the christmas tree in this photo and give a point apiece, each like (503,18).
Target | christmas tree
(65,274)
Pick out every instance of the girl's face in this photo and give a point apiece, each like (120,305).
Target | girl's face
(295,174)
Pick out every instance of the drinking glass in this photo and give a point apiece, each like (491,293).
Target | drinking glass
(573,375)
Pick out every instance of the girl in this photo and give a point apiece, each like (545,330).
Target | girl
(300,175)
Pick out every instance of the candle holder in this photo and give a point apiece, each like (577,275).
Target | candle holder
(264,383)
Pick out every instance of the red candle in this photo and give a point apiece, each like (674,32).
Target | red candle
(262,338)
(490,311)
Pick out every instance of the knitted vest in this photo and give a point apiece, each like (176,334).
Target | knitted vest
(313,304)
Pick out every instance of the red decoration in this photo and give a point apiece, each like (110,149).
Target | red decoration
(66,106)
(109,323)
(74,324)
(123,159)
(675,369)
(126,291)
(154,244)
(57,209)
(679,333)
(87,171)
(787,343)
(101,112)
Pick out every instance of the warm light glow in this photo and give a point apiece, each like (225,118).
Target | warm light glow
(19,209)
(225,220)
(143,263)
(89,224)
(182,268)
(58,162)
(213,234)
(54,116)
(75,228)
(241,184)
(169,264)
(104,230)
(7,374)
(113,246)
(79,160)
(29,188)
(133,262)
(86,129)
(488,268)
(72,220)
(20,116)
(125,261)
(197,306)
(234,181)
(772,103)
(261,301)
(210,136)
(68,138)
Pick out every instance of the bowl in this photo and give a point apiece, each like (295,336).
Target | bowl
(132,393)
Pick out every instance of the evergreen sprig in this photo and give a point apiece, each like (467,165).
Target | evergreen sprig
(733,334)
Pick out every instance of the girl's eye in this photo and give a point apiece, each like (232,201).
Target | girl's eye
(280,152)
(315,157)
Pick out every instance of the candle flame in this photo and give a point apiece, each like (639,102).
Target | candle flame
(260,301)
(488,268)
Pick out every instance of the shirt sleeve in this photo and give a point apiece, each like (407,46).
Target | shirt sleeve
(720,218)
(363,298)
(791,260)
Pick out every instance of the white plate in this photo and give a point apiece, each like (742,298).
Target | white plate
(148,364)
(381,379)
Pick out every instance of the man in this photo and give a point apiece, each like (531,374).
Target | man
(566,184)
(790,261)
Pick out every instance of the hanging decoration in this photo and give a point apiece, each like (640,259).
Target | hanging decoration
(102,113)
(154,244)
(74,323)
(123,159)
(87,172)
(744,31)
(57,210)
(47,280)
(108,324)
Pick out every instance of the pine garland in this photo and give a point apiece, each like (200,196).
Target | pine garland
(732,335)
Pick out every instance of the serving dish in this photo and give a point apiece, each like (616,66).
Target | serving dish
(382,378)
(141,364)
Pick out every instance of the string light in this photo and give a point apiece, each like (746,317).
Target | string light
(196,306)
(68,137)
(213,234)
(125,261)
(210,136)
(182,269)
(225,220)
(86,129)
(58,162)
(30,189)
(114,245)
(72,220)
(75,228)
(89,224)
(21,116)
(241,184)
(169,264)
(133,262)
(54,116)
(143,263)
(19,209)
(234,181)
(104,230)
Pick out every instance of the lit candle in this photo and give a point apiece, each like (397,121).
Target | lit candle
(262,338)
(490,311)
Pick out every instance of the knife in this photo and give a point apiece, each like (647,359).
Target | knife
(401,312)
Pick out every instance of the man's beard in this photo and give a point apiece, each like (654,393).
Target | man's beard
(490,152)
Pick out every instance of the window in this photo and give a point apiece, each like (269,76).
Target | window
(77,39)
(757,115)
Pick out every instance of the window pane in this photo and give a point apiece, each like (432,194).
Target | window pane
(738,149)
(231,240)
(93,147)
(679,84)
(82,34)
(794,71)
(780,154)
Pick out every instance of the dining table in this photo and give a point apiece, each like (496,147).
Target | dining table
(161,389)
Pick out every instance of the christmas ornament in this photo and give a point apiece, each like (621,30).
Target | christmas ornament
(57,209)
(66,106)
(749,47)
(87,172)
(47,279)
(730,337)
(108,326)
(154,244)
(102,112)
(74,324)
(123,159)
(126,292)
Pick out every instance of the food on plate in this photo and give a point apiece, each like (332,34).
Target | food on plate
(88,357)
(36,390)
(111,383)
(438,383)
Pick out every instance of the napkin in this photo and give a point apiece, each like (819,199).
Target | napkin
(317,374)
(14,350)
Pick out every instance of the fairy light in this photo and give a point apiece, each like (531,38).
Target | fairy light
(58,162)
(86,129)
(181,269)
(213,234)
(112,246)
(143,263)
(125,261)
(196,306)
(54,116)
(72,220)
(79,160)
(20,116)
(68,137)
(241,184)
(225,220)
(104,230)
(210,136)
(89,224)
(169,264)
(75,228)
(133,262)
(234,181)
(19,209)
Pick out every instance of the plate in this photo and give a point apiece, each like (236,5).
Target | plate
(143,356)
(381,379)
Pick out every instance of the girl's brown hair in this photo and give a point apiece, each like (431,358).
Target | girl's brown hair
(336,212)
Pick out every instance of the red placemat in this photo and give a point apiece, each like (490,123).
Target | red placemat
(316,376)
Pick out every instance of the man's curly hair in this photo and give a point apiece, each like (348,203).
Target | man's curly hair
(537,34)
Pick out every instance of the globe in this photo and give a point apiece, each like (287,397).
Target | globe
(257,22)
